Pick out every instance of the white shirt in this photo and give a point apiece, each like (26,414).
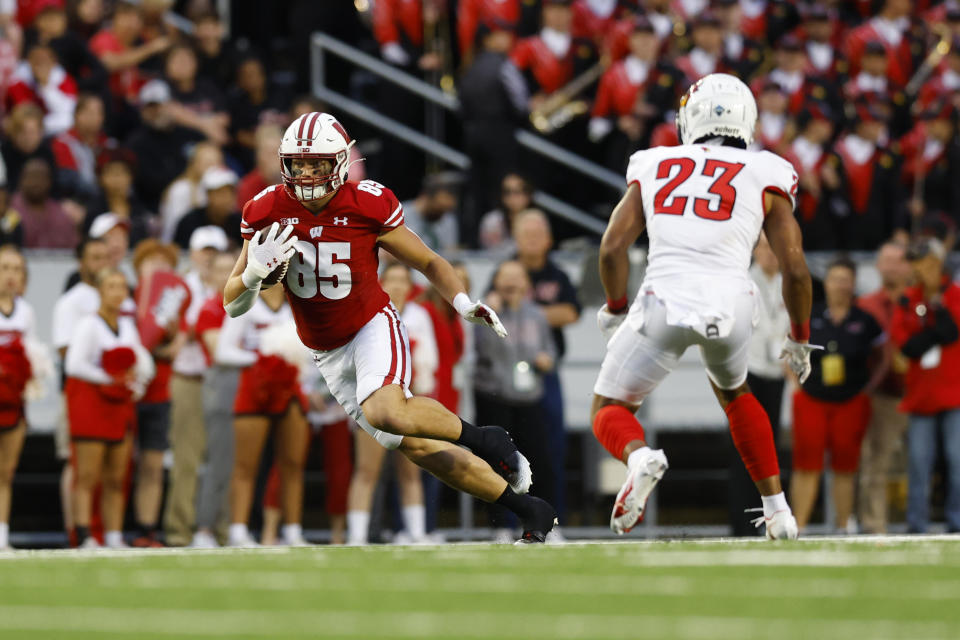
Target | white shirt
(239,337)
(763,354)
(181,197)
(423,346)
(21,321)
(79,301)
(190,360)
(92,337)
(697,265)
(557,42)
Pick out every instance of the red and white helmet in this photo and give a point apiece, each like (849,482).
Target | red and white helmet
(315,135)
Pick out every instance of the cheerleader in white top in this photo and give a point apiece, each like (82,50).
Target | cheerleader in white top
(107,370)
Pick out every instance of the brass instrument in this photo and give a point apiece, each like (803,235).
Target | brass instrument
(930,63)
(561,106)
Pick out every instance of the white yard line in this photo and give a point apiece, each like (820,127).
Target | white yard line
(427,624)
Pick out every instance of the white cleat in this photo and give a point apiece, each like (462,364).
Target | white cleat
(632,498)
(89,543)
(246,542)
(521,479)
(204,540)
(780,526)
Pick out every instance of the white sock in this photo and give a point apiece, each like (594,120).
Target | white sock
(4,535)
(635,456)
(774,503)
(113,538)
(415,520)
(238,532)
(358,527)
(292,532)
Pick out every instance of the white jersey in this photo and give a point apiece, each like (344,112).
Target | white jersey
(19,324)
(239,339)
(703,206)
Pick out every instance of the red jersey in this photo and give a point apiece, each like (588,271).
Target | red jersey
(210,318)
(331,283)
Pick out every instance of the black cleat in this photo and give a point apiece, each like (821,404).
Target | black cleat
(502,455)
(538,523)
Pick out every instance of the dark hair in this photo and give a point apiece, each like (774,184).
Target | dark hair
(84,98)
(727,141)
(84,243)
(845,262)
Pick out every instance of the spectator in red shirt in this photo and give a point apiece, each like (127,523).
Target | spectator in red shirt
(925,329)
(42,81)
(267,170)
(76,150)
(117,49)
(890,27)
(884,436)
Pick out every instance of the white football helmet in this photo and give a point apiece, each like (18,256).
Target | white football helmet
(315,135)
(717,105)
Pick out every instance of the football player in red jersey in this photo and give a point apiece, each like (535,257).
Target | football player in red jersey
(332,229)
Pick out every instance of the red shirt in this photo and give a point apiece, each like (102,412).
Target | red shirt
(210,318)
(126,82)
(391,17)
(449,335)
(937,389)
(550,72)
(472,13)
(616,95)
(251,184)
(899,57)
(331,283)
(881,306)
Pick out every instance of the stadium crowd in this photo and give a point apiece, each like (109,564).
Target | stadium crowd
(135,141)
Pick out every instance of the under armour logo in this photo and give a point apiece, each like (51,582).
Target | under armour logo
(340,221)
(315,232)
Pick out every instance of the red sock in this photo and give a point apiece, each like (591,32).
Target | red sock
(753,437)
(615,427)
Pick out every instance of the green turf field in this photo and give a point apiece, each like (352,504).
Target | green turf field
(862,590)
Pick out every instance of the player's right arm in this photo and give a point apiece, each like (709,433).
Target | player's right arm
(783,232)
(237,298)
(625,226)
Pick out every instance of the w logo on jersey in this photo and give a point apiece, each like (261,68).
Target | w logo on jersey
(340,221)
(315,232)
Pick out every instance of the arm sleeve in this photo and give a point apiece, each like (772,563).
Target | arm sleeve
(516,87)
(783,179)
(384,27)
(62,322)
(944,326)
(229,350)
(83,355)
(466,24)
(547,344)
(568,293)
(601,106)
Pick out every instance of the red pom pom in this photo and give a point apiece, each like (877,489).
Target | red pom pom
(118,361)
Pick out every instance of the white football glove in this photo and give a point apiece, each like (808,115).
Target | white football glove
(263,258)
(478,313)
(608,322)
(797,355)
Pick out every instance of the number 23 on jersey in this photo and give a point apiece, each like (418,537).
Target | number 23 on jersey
(679,170)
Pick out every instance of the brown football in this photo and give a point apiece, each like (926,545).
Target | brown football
(275,276)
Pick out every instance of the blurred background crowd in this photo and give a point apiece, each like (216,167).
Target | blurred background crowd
(134,132)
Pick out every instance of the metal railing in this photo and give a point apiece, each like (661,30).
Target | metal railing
(323,44)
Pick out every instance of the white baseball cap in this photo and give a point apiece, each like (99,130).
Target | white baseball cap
(106,221)
(155,91)
(216,177)
(209,237)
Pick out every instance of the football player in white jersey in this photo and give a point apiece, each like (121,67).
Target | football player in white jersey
(704,205)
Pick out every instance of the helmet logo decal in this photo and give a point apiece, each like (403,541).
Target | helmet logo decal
(719,110)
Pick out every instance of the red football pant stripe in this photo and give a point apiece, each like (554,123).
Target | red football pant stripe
(403,346)
(616,427)
(753,437)
(392,375)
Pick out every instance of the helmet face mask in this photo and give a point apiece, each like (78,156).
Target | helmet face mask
(315,136)
(718,105)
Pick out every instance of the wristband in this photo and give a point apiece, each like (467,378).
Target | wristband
(618,306)
(461,303)
(250,280)
(800,331)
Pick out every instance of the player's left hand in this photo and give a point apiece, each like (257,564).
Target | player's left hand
(478,313)
(609,322)
(797,356)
